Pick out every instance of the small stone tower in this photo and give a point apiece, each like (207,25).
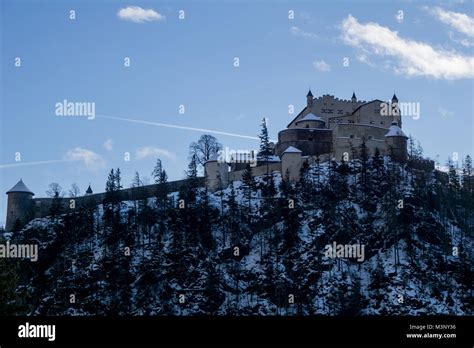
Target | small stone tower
(309,99)
(291,162)
(216,173)
(396,143)
(19,205)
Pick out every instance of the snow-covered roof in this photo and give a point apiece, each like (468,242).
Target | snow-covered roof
(20,187)
(292,149)
(311,117)
(395,131)
(271,158)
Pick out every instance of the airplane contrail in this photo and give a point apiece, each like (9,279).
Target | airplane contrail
(158,124)
(11,165)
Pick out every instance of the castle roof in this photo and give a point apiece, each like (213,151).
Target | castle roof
(309,93)
(365,104)
(395,131)
(394,98)
(270,158)
(89,190)
(354,95)
(311,117)
(20,187)
(291,149)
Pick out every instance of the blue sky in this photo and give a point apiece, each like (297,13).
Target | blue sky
(425,57)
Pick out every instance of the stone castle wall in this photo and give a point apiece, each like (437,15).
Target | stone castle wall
(347,137)
(19,208)
(256,171)
(26,208)
(310,141)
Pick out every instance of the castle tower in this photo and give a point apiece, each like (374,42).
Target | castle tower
(309,99)
(396,110)
(291,162)
(397,143)
(88,191)
(19,205)
(216,173)
(354,100)
(394,99)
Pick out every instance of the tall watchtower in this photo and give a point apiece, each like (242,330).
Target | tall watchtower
(19,205)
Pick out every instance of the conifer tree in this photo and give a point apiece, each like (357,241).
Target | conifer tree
(8,283)
(157,171)
(248,185)
(264,151)
(467,178)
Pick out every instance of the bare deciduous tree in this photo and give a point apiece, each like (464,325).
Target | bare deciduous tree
(204,148)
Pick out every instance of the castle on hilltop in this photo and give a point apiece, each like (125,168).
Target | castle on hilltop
(327,128)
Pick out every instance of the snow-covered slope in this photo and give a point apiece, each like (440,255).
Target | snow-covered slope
(261,250)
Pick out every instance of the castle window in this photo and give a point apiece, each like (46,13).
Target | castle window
(351,136)
(307,126)
(382,122)
(370,137)
(310,139)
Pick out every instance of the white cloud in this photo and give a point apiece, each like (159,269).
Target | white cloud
(109,145)
(148,151)
(410,57)
(465,42)
(298,32)
(445,113)
(139,15)
(91,160)
(459,21)
(321,65)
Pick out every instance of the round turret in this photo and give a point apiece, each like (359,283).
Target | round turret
(19,206)
(396,143)
(216,173)
(311,121)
